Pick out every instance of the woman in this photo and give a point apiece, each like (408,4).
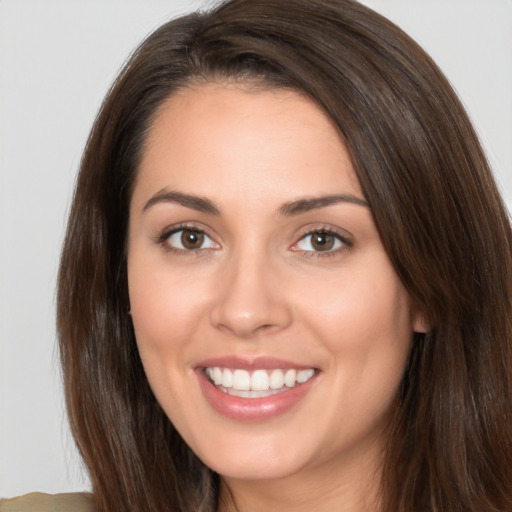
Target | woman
(286,278)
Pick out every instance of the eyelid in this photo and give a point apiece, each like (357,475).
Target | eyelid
(343,236)
(167,232)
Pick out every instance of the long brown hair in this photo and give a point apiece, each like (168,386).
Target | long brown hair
(434,202)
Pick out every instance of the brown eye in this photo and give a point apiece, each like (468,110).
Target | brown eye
(321,241)
(186,239)
(192,239)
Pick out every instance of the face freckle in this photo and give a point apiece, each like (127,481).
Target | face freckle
(253,258)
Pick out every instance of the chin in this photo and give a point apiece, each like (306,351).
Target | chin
(253,469)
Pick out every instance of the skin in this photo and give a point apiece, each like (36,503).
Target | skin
(257,286)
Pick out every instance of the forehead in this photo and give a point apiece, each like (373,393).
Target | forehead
(216,138)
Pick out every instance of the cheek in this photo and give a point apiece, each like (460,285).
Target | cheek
(356,311)
(364,323)
(166,305)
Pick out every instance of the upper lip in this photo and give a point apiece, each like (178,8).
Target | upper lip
(251,363)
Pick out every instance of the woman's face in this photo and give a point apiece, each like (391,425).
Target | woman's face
(272,327)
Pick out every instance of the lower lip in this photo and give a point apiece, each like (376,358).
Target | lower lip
(252,409)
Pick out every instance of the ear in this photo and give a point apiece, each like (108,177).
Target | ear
(419,322)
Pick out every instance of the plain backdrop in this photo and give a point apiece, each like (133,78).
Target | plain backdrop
(57,59)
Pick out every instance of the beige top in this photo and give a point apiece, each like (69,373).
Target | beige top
(39,502)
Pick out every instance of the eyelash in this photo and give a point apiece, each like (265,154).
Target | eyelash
(345,243)
(163,240)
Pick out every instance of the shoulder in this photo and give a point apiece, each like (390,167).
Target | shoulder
(39,502)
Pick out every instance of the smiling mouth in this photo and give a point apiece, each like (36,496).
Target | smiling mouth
(258,383)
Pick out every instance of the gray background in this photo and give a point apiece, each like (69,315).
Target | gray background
(57,59)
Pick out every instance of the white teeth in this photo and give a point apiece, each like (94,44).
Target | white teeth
(241,394)
(259,380)
(260,383)
(227,378)
(241,380)
(217,376)
(289,378)
(251,394)
(304,375)
(276,379)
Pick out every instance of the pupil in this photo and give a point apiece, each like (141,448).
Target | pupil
(192,239)
(322,241)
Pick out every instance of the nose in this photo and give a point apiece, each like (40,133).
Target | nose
(250,299)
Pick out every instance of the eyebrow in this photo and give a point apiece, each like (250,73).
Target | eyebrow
(291,208)
(200,204)
(305,205)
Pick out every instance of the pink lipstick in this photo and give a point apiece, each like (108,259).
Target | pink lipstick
(254,389)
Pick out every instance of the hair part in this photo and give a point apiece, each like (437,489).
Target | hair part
(435,205)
